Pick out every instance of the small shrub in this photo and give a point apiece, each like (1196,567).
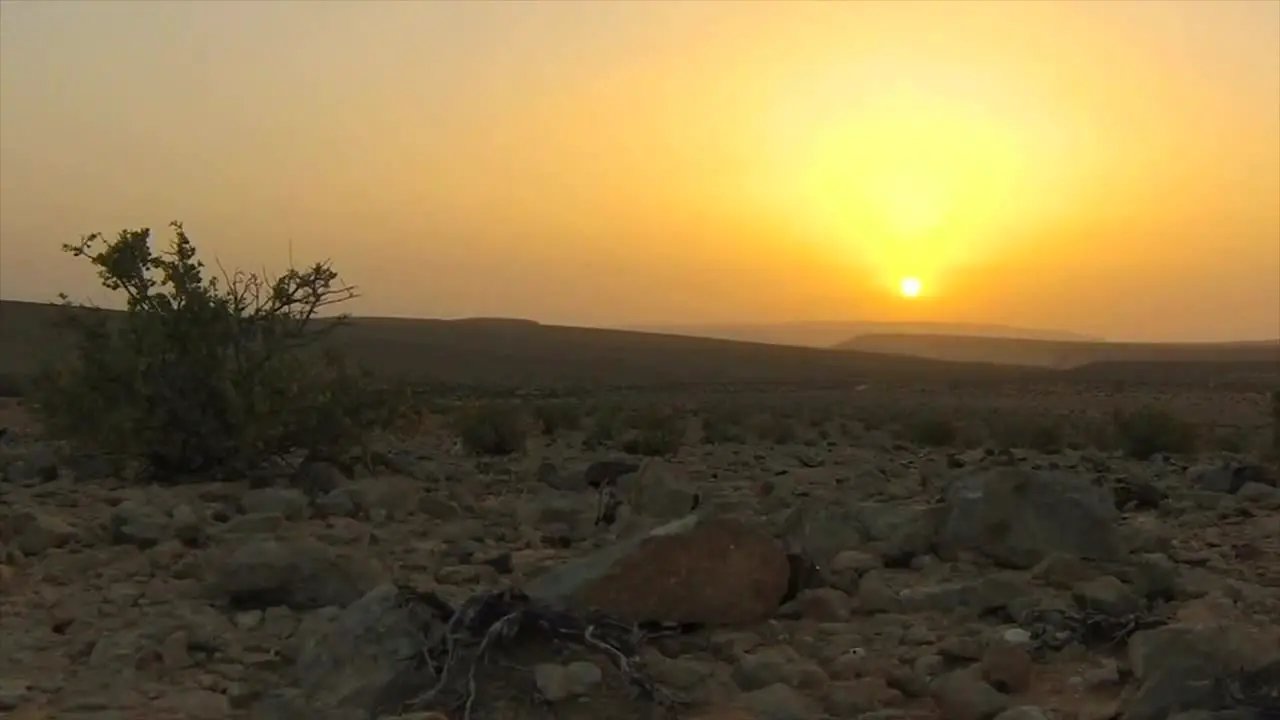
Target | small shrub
(1042,435)
(777,430)
(931,431)
(604,427)
(1275,422)
(655,433)
(1150,430)
(493,428)
(722,426)
(13,385)
(557,417)
(1229,439)
(205,375)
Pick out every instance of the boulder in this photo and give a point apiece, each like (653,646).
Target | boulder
(1019,517)
(370,657)
(692,570)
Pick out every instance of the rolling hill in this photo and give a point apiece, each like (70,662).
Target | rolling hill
(1059,354)
(525,353)
(827,334)
(521,353)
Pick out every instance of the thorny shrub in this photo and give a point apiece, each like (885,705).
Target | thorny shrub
(1151,430)
(557,416)
(1275,423)
(207,375)
(931,431)
(492,428)
(655,432)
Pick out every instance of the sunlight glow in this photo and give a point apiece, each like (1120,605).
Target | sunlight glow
(917,174)
(910,287)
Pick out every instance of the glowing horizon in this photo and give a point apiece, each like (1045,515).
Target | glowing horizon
(1107,168)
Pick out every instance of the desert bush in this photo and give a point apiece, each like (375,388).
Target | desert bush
(606,422)
(13,385)
(1044,435)
(1227,439)
(491,428)
(720,426)
(554,417)
(777,430)
(931,431)
(1275,423)
(1150,430)
(654,432)
(206,375)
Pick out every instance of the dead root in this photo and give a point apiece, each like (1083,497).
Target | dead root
(456,642)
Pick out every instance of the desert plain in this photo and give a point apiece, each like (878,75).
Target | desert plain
(674,527)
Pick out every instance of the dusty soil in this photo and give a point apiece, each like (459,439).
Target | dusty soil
(1106,589)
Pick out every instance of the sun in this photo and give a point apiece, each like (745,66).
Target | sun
(910,287)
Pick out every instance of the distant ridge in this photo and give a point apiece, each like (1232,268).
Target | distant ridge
(496,352)
(828,334)
(1060,354)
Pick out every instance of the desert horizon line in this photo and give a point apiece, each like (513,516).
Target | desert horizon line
(686,329)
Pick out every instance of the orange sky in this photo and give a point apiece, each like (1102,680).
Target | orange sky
(1105,167)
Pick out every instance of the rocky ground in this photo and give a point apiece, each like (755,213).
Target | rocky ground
(828,581)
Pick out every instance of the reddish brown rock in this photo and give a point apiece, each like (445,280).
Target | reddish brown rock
(722,713)
(1007,667)
(718,572)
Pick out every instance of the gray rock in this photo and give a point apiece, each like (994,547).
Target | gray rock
(13,693)
(315,477)
(33,465)
(368,657)
(603,472)
(1106,595)
(659,490)
(287,503)
(297,574)
(187,527)
(35,533)
(778,702)
(1228,476)
(1019,517)
(767,666)
(900,531)
(557,683)
(133,523)
(1182,668)
(963,695)
(896,532)
(1255,493)
(1026,712)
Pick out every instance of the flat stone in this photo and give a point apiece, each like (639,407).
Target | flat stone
(297,574)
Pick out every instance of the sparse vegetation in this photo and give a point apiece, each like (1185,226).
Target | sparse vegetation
(206,375)
(931,431)
(13,385)
(1045,435)
(655,432)
(1150,430)
(555,417)
(777,430)
(492,428)
(721,426)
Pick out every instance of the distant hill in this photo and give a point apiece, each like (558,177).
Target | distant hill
(489,351)
(500,352)
(827,334)
(1056,354)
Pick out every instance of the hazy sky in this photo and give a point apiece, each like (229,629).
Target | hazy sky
(1105,167)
